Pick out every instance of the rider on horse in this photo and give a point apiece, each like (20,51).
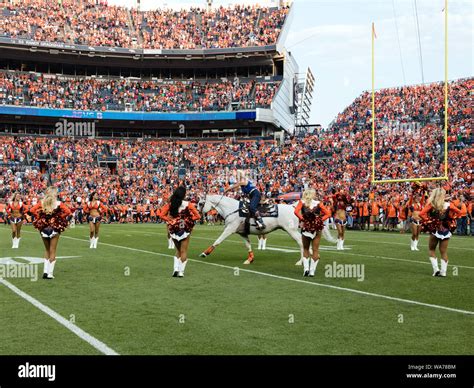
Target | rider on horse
(250,190)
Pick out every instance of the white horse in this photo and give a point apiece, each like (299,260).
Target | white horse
(228,209)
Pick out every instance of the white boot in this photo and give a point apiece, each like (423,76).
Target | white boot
(91,243)
(434,264)
(444,268)
(51,269)
(260,244)
(46,268)
(181,268)
(416,245)
(338,245)
(96,240)
(18,242)
(13,242)
(176,261)
(305,266)
(264,244)
(412,245)
(312,267)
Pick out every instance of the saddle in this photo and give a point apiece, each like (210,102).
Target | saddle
(265,209)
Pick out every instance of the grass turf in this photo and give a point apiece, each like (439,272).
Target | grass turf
(127,298)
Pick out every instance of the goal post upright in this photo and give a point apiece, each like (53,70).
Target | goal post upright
(445,124)
(373,104)
(446,89)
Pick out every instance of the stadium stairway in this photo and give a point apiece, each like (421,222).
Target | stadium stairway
(137,40)
(67,30)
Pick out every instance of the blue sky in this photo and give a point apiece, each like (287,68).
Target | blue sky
(333,38)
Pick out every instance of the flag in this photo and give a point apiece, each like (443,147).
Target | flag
(373,30)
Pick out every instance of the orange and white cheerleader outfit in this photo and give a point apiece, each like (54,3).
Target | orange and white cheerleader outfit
(440,223)
(18,207)
(180,227)
(52,224)
(312,217)
(91,205)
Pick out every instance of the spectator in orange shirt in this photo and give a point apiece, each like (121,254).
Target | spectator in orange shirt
(374,213)
(365,215)
(2,212)
(461,222)
(392,215)
(471,216)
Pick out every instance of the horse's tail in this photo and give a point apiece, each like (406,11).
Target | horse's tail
(328,235)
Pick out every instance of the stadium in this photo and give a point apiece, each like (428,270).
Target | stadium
(166,190)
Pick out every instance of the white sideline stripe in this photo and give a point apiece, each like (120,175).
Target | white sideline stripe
(282,250)
(290,250)
(94,342)
(321,247)
(435,306)
(327,248)
(406,244)
(279,232)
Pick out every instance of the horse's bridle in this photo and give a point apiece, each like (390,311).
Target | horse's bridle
(217,204)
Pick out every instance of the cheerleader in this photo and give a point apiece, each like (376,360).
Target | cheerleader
(51,219)
(439,220)
(312,215)
(341,202)
(15,211)
(180,215)
(93,208)
(415,206)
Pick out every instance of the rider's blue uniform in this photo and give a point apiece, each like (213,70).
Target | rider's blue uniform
(253,193)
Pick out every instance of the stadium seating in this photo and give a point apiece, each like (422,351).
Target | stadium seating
(338,156)
(98,24)
(96,93)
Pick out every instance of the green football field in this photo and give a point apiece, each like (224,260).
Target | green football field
(121,298)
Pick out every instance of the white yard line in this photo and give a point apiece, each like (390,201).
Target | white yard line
(94,342)
(326,248)
(280,232)
(407,301)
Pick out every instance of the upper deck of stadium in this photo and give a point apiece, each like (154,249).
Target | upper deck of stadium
(212,68)
(91,25)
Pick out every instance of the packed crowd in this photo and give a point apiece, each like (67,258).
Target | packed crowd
(147,171)
(95,23)
(409,133)
(51,91)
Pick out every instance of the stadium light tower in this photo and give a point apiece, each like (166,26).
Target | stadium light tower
(303,97)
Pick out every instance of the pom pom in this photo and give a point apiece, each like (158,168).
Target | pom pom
(184,221)
(57,220)
(312,222)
